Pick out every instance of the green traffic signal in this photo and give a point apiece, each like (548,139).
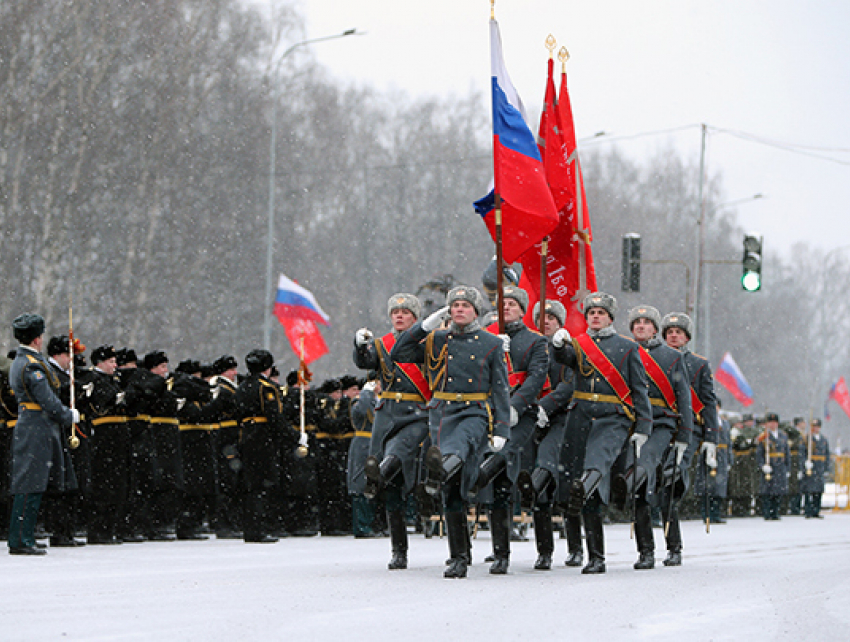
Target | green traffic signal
(751,281)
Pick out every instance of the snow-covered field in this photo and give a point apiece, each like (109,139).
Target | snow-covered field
(747,580)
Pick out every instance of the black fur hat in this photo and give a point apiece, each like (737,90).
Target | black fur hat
(102,353)
(28,327)
(259,361)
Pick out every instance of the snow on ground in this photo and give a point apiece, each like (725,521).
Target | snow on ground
(748,579)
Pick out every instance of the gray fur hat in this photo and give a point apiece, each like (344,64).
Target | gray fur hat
(517,294)
(645,312)
(555,308)
(678,320)
(600,300)
(466,293)
(404,301)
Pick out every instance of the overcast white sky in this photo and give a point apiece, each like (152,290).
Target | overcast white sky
(775,69)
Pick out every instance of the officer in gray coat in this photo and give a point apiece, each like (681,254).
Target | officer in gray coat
(467,373)
(772,457)
(672,427)
(539,488)
(362,411)
(40,461)
(813,469)
(401,420)
(716,485)
(528,364)
(610,402)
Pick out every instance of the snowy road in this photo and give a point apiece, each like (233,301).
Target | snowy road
(749,579)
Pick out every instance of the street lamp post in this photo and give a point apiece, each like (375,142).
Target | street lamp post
(269,291)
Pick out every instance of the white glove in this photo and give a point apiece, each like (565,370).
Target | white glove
(362,337)
(119,398)
(435,319)
(498,443)
(809,465)
(506,342)
(560,338)
(710,451)
(216,392)
(75,416)
(180,403)
(638,439)
(680,447)
(542,417)
(302,439)
(800,475)
(734,433)
(369,386)
(514,417)
(88,388)
(767,469)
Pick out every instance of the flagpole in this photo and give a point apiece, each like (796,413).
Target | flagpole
(73,440)
(544,276)
(809,444)
(500,261)
(302,449)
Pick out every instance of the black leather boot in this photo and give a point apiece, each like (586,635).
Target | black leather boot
(398,539)
(544,535)
(644,537)
(500,528)
(458,545)
(572,527)
(582,490)
(674,539)
(440,469)
(489,468)
(374,481)
(532,487)
(623,487)
(595,544)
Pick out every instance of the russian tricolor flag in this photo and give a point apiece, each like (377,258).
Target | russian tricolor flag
(528,210)
(294,302)
(730,377)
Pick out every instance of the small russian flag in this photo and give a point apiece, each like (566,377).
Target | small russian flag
(294,302)
(730,377)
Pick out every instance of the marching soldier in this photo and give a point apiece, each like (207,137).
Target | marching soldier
(334,425)
(672,427)
(539,489)
(40,461)
(362,418)
(467,374)
(610,403)
(527,355)
(401,420)
(814,468)
(227,522)
(772,457)
(716,485)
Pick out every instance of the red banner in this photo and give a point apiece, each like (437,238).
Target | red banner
(298,330)
(841,395)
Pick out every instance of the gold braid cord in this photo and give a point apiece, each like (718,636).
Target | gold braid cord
(435,365)
(585,369)
(386,372)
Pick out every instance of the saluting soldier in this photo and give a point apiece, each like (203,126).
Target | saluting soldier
(467,374)
(539,488)
(401,420)
(527,355)
(814,468)
(610,402)
(677,330)
(40,461)
(672,427)
(772,457)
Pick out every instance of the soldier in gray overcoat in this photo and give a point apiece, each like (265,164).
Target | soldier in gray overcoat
(401,420)
(40,461)
(716,485)
(467,373)
(362,412)
(814,467)
(610,403)
(772,458)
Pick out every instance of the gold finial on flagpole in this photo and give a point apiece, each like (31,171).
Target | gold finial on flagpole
(563,56)
(551,43)
(492,9)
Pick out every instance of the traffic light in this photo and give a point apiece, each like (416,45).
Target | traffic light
(631,263)
(751,263)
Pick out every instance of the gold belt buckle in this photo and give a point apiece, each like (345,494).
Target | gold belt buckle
(595,397)
(459,396)
(398,396)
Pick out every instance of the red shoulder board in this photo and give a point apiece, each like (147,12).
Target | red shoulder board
(411,370)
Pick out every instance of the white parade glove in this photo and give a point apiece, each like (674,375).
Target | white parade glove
(506,342)
(800,475)
(498,443)
(514,417)
(119,398)
(216,392)
(302,440)
(560,338)
(734,433)
(809,465)
(88,388)
(180,403)
(435,319)
(767,469)
(638,439)
(710,451)
(542,417)
(680,447)
(362,337)
(75,416)
(369,386)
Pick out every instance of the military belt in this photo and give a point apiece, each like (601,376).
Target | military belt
(108,420)
(206,427)
(462,396)
(165,420)
(145,418)
(777,455)
(362,433)
(657,402)
(255,420)
(593,396)
(721,446)
(11,423)
(402,396)
(28,405)
(327,435)
(228,424)
(818,457)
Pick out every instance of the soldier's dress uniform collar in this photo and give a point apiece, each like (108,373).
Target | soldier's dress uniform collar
(472,327)
(652,342)
(607,331)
